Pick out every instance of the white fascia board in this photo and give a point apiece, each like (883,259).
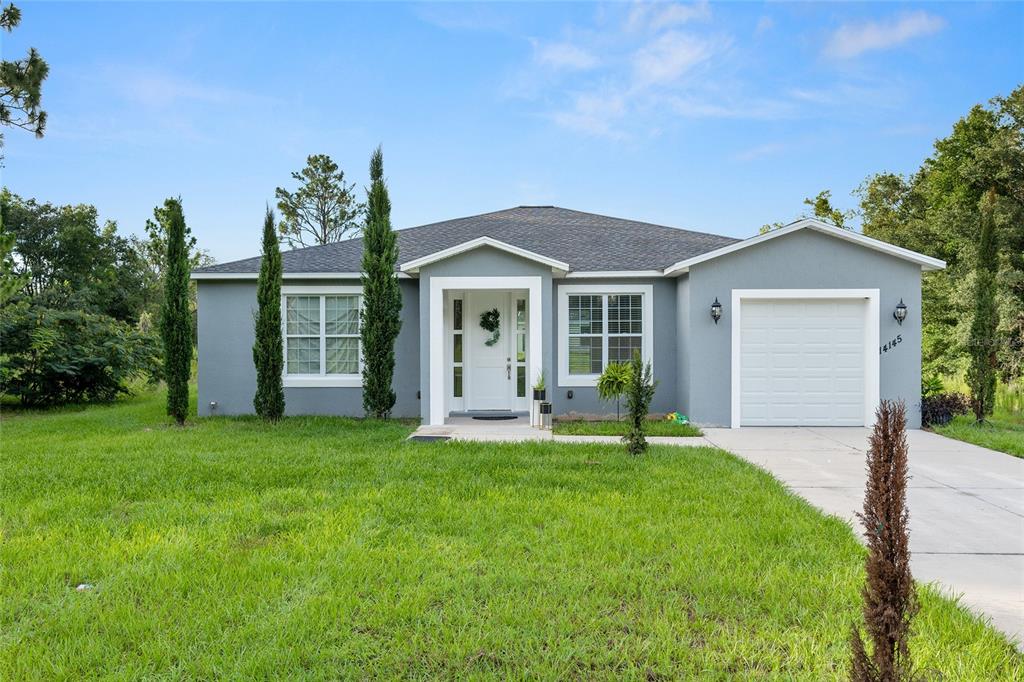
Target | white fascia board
(613,274)
(286,275)
(414,265)
(927,263)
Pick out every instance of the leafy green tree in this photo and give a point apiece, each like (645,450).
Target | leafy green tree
(981,374)
(323,209)
(613,382)
(21,84)
(382,298)
(176,318)
(52,357)
(639,395)
(822,210)
(938,211)
(268,350)
(11,282)
(69,261)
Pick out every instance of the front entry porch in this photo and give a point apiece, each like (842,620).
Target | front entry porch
(485,347)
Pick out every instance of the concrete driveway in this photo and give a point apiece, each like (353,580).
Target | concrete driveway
(966,505)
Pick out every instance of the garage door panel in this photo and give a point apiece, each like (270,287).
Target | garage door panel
(802,362)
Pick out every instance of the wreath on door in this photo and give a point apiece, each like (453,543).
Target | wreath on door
(490,321)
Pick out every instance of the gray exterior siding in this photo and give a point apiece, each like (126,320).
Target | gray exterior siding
(585,400)
(227,375)
(802,260)
(481,262)
(692,355)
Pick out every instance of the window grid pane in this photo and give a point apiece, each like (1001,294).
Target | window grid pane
(342,313)
(457,348)
(620,348)
(520,382)
(457,382)
(303,315)
(303,355)
(625,314)
(342,355)
(585,355)
(585,315)
(457,313)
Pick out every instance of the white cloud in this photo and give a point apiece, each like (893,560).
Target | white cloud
(668,57)
(764,24)
(655,16)
(850,40)
(760,151)
(593,113)
(565,56)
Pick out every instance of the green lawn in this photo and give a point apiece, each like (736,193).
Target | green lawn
(658,427)
(1003,431)
(328,548)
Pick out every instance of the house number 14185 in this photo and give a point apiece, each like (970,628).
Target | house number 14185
(892,344)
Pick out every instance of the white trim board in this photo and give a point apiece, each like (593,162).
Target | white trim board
(286,275)
(927,263)
(414,265)
(564,290)
(436,332)
(871,332)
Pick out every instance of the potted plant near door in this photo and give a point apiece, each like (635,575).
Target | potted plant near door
(539,393)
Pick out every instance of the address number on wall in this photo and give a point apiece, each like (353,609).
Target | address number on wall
(892,344)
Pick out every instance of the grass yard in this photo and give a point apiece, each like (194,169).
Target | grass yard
(1003,431)
(659,427)
(328,548)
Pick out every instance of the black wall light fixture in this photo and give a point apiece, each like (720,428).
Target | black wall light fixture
(716,310)
(900,313)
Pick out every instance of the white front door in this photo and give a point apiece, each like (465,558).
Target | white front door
(491,369)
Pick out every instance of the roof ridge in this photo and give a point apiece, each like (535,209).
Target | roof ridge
(644,222)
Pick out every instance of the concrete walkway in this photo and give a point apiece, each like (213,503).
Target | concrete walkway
(966,505)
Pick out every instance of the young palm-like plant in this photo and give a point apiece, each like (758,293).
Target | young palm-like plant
(613,382)
(639,395)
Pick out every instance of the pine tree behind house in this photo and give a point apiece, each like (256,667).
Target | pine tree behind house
(176,317)
(382,298)
(983,343)
(268,350)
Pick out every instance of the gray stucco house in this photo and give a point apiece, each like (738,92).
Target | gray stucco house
(805,331)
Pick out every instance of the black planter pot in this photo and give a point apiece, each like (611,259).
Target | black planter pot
(545,408)
(539,393)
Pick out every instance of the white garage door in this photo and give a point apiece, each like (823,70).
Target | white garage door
(802,362)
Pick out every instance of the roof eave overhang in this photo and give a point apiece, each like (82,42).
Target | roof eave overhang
(413,267)
(287,275)
(927,263)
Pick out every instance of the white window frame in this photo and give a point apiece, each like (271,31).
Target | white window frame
(319,380)
(646,291)
(872,325)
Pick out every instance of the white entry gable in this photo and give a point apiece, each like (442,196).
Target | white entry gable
(413,266)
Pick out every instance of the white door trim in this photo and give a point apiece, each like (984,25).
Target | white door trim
(436,374)
(871,331)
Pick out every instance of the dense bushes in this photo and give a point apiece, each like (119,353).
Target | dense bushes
(940,408)
(54,356)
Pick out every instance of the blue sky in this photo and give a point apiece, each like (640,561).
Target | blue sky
(713,117)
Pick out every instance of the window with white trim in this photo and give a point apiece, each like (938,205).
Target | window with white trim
(321,335)
(602,329)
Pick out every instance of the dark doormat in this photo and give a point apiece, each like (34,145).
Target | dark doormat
(495,417)
(428,439)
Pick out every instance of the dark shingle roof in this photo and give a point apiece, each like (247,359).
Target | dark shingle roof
(586,241)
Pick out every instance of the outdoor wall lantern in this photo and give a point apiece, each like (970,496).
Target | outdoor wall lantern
(716,310)
(900,313)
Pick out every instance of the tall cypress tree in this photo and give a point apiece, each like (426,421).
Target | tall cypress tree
(268,349)
(176,317)
(382,298)
(983,344)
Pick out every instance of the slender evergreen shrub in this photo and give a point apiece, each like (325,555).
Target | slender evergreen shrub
(268,349)
(176,315)
(639,395)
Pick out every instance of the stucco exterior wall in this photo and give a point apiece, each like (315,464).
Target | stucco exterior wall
(802,260)
(227,375)
(585,400)
(481,262)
